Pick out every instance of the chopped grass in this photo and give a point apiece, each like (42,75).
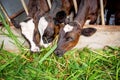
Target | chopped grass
(85,64)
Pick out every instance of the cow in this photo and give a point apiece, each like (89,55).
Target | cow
(48,18)
(37,24)
(56,18)
(69,34)
(117,18)
(112,7)
(29,27)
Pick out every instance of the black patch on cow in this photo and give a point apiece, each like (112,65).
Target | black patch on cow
(27,19)
(60,17)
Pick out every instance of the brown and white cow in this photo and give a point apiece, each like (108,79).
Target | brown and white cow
(36,24)
(29,27)
(48,19)
(56,17)
(69,35)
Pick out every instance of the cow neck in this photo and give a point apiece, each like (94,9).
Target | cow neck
(56,6)
(43,7)
(82,13)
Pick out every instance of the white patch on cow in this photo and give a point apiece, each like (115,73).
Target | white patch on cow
(68,28)
(42,26)
(28,31)
(87,22)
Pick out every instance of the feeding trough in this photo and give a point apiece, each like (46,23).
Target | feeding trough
(104,36)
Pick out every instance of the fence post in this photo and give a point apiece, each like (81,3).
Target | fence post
(102,12)
(75,6)
(49,3)
(24,6)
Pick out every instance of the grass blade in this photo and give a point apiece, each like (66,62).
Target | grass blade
(48,53)
(5,65)
(2,45)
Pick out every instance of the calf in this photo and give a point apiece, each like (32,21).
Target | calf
(29,27)
(69,35)
(54,18)
(48,19)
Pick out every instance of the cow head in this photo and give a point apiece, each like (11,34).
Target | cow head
(54,24)
(69,37)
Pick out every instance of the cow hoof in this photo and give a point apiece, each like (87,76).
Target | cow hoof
(35,49)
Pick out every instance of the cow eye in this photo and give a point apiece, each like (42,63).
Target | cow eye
(69,39)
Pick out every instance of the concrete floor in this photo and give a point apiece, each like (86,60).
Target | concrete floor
(8,45)
(105,36)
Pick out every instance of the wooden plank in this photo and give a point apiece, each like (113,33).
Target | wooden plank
(4,11)
(17,14)
(24,6)
(102,12)
(49,3)
(75,6)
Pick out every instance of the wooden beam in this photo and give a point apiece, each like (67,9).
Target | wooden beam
(49,3)
(4,12)
(24,6)
(102,12)
(75,6)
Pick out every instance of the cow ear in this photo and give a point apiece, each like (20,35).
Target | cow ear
(88,31)
(60,16)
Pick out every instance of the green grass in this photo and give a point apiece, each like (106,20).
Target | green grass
(85,64)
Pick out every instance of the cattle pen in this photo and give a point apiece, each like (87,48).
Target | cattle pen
(94,58)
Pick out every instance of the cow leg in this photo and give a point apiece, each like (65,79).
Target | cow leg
(117,18)
(108,17)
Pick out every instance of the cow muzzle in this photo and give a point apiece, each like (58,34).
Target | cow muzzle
(59,52)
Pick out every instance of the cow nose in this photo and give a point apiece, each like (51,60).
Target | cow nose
(58,53)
